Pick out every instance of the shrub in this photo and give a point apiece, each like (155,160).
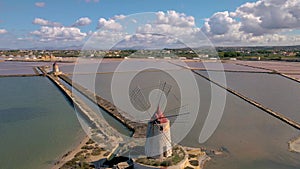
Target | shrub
(96,152)
(90,142)
(194,162)
(166,163)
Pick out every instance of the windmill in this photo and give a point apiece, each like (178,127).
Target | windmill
(158,143)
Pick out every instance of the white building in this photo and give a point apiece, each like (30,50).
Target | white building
(158,140)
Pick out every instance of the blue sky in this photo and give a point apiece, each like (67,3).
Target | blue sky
(16,17)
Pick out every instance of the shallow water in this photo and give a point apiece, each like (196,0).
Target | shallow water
(37,124)
(15,68)
(271,90)
(253,138)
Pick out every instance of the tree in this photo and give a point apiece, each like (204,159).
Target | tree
(230,54)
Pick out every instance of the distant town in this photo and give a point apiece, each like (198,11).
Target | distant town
(285,53)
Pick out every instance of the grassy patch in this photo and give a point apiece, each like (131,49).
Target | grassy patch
(178,155)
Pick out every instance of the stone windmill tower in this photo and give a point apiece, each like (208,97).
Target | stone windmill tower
(55,69)
(158,137)
(158,143)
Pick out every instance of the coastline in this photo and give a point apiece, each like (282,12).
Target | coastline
(70,154)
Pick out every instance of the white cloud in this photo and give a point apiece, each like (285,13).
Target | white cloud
(175,25)
(3,31)
(59,34)
(134,20)
(40,4)
(82,22)
(104,39)
(269,16)
(174,18)
(263,22)
(116,17)
(220,23)
(149,41)
(43,22)
(166,30)
(170,23)
(110,24)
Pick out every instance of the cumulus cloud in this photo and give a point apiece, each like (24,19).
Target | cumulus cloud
(267,16)
(46,33)
(220,23)
(3,31)
(105,39)
(174,18)
(170,23)
(262,21)
(150,41)
(116,17)
(40,4)
(109,24)
(165,30)
(82,22)
(175,26)
(43,22)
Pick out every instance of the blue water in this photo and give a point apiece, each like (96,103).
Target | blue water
(37,124)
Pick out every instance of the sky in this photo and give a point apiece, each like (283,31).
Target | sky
(56,24)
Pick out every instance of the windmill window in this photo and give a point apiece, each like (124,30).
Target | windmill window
(161,128)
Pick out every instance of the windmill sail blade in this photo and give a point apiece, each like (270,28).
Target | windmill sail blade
(165,88)
(183,110)
(170,116)
(138,99)
(178,110)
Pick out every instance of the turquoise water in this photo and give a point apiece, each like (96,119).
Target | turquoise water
(37,124)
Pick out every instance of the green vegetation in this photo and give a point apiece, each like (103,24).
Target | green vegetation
(81,159)
(230,54)
(178,155)
(194,162)
(90,142)
(77,162)
(87,147)
(96,151)
(73,164)
(192,156)
(242,53)
(260,53)
(79,154)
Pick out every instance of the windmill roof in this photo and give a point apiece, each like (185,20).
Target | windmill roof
(160,117)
